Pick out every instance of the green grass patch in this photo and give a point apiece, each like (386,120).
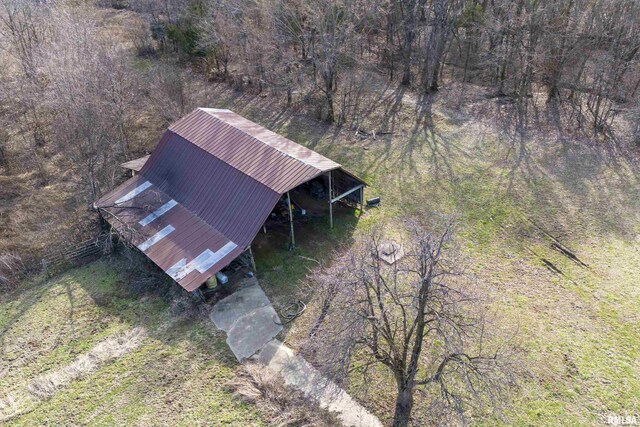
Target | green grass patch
(177,374)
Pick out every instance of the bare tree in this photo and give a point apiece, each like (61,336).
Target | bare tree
(332,37)
(24,33)
(443,15)
(172,94)
(24,25)
(217,39)
(91,93)
(560,41)
(418,317)
(409,12)
(578,50)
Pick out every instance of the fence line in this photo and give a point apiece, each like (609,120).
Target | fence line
(63,257)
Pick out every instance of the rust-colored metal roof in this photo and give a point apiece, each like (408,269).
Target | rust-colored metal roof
(267,157)
(205,191)
(168,233)
(135,164)
(227,199)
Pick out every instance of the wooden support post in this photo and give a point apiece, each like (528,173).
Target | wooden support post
(292,245)
(253,261)
(330,203)
(361,200)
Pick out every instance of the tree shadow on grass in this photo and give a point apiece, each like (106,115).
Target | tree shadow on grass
(27,299)
(418,151)
(538,160)
(539,164)
(577,186)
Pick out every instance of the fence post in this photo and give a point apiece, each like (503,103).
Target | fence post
(46,269)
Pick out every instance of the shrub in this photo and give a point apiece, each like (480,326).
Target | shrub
(11,270)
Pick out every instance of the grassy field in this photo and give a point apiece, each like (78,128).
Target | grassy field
(577,323)
(174,374)
(519,198)
(578,326)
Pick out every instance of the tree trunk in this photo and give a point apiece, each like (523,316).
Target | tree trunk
(330,110)
(406,53)
(404,405)
(328,76)
(406,74)
(436,76)
(388,55)
(409,12)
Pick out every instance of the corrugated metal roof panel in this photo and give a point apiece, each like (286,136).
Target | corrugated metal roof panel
(227,199)
(176,235)
(271,159)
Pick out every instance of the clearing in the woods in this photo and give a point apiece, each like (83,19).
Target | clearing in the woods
(550,227)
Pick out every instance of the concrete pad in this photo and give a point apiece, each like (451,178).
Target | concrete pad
(248,319)
(228,310)
(300,374)
(251,332)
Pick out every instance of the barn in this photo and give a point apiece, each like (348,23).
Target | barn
(198,201)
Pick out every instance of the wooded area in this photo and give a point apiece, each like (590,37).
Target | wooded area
(71,90)
(581,52)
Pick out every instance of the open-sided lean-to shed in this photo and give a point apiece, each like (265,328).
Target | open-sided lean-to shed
(199,200)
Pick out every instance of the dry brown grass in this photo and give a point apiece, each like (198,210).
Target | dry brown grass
(283,406)
(11,266)
(112,348)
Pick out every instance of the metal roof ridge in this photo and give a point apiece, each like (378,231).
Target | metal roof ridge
(228,164)
(265,142)
(217,110)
